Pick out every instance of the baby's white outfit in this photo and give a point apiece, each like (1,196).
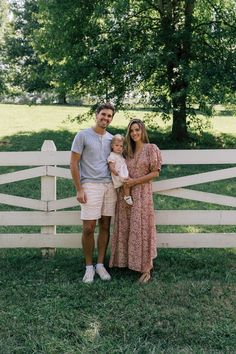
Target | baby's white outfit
(121,168)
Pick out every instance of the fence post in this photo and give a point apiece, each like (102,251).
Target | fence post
(48,193)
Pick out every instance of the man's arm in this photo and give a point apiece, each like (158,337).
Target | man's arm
(74,168)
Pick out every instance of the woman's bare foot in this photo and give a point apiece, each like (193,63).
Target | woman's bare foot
(145,277)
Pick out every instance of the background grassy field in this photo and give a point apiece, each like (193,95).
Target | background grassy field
(189,307)
(19,118)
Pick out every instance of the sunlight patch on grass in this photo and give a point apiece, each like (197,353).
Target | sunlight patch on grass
(93,332)
(23,118)
(224,124)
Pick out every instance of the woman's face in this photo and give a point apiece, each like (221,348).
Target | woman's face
(135,132)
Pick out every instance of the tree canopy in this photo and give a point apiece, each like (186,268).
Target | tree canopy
(26,70)
(176,55)
(3,25)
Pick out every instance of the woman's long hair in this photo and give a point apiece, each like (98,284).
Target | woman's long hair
(129,143)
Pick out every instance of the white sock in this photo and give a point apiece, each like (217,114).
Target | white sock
(89,267)
(99,265)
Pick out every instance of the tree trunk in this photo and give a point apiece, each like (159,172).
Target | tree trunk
(62,98)
(177,36)
(179,127)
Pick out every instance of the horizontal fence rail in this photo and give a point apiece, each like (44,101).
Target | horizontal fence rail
(49,212)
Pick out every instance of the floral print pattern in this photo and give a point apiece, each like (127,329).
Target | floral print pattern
(134,240)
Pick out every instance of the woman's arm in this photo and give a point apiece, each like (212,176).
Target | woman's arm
(130,182)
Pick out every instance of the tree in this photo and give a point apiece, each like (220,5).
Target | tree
(25,69)
(3,27)
(67,40)
(177,54)
(171,45)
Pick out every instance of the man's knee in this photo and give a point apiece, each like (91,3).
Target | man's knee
(104,223)
(89,227)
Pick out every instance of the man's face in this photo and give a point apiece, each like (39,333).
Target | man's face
(104,118)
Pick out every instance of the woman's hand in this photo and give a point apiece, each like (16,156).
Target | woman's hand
(130,182)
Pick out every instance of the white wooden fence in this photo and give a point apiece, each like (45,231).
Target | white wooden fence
(47,212)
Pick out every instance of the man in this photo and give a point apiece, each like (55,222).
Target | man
(95,191)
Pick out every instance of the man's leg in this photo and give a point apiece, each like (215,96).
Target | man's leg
(88,247)
(108,209)
(88,240)
(103,239)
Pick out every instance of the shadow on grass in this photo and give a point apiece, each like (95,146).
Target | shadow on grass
(225,113)
(27,141)
(198,264)
(171,265)
(207,140)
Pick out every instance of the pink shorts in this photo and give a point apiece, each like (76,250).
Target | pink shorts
(101,201)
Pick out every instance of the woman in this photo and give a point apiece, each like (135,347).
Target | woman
(134,238)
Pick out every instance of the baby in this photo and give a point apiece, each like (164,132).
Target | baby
(118,161)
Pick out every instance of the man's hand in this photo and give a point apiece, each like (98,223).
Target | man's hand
(112,168)
(81,196)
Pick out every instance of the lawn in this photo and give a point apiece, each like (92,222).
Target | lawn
(189,307)
(24,118)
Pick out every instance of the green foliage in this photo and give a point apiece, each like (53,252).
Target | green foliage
(213,74)
(82,62)
(25,69)
(3,20)
(3,28)
(176,55)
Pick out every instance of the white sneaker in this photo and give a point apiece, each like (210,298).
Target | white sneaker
(103,273)
(128,199)
(89,275)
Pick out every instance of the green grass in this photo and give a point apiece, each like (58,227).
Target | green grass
(24,118)
(188,308)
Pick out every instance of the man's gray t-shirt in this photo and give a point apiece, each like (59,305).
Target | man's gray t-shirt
(94,150)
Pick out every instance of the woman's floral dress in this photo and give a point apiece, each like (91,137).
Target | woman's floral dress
(134,240)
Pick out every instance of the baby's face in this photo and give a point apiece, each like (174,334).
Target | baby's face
(117,147)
